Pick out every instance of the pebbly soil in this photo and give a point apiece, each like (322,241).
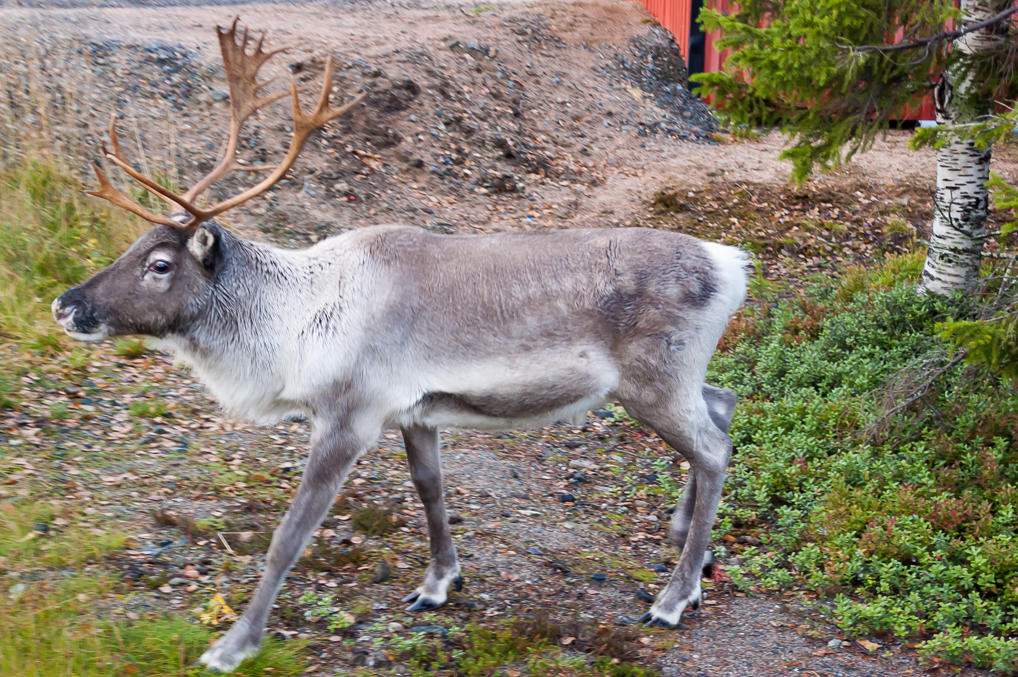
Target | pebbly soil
(510,115)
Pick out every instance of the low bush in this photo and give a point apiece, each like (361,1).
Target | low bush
(909,526)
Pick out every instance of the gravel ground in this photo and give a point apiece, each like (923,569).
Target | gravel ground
(507,115)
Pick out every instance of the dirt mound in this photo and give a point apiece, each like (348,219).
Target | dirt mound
(497,117)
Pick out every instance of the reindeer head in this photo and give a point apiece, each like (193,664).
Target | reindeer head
(163,280)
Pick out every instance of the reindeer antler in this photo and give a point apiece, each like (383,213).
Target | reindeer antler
(242,78)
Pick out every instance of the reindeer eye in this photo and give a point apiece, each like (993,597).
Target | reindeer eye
(160,266)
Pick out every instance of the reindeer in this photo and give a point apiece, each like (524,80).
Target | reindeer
(393,326)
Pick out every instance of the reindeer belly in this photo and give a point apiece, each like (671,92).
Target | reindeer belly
(519,392)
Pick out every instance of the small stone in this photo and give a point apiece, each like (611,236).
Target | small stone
(429,630)
(579,478)
(219,95)
(455,518)
(381,573)
(396,627)
(660,568)
(581,463)
(644,596)
(177,580)
(598,578)
(533,551)
(566,498)
(834,644)
(669,671)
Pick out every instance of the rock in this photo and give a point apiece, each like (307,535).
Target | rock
(579,478)
(219,95)
(669,671)
(598,578)
(834,644)
(566,498)
(381,573)
(644,596)
(396,627)
(455,518)
(582,463)
(660,568)
(533,551)
(16,590)
(177,580)
(429,630)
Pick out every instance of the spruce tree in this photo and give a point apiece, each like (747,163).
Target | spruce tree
(833,74)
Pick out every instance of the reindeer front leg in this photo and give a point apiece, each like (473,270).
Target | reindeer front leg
(426,471)
(334,449)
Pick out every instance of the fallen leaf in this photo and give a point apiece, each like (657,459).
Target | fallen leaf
(868,645)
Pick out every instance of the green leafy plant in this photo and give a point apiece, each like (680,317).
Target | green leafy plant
(913,532)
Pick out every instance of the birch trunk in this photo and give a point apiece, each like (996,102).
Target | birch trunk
(960,206)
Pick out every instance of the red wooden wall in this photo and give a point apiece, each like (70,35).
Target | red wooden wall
(675,16)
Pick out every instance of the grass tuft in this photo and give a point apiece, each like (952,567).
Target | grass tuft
(56,630)
(51,238)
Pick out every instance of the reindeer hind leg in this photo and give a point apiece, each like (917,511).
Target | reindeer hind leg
(422,450)
(684,422)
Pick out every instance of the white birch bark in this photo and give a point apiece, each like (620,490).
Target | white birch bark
(960,206)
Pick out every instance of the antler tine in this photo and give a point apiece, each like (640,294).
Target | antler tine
(108,191)
(154,187)
(303,126)
(121,160)
(242,80)
(114,141)
(241,71)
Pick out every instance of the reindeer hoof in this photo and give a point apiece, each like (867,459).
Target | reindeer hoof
(652,620)
(426,602)
(423,604)
(707,568)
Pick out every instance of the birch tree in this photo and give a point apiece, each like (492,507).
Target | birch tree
(833,74)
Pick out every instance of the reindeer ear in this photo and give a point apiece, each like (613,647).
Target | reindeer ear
(202,245)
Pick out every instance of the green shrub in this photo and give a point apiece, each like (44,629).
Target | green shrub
(915,531)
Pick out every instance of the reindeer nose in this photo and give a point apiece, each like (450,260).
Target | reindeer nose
(69,307)
(60,313)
